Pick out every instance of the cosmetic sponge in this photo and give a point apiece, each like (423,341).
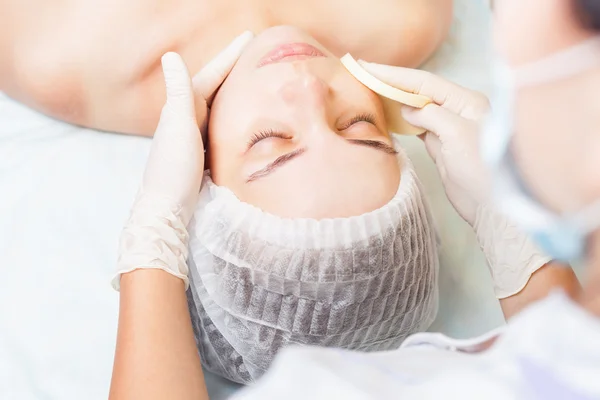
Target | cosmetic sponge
(392,99)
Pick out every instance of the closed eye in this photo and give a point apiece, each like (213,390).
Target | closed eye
(266,134)
(366,117)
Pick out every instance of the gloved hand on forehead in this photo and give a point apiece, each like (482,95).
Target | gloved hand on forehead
(453,122)
(155,236)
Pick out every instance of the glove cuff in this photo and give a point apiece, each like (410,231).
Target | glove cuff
(511,255)
(154,237)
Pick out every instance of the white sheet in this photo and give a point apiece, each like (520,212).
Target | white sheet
(64,195)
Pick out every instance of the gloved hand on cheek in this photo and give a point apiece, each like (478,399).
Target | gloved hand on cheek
(155,236)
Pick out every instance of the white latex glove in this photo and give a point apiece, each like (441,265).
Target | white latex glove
(453,122)
(155,236)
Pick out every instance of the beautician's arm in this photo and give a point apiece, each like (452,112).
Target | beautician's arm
(156,355)
(552,276)
(453,122)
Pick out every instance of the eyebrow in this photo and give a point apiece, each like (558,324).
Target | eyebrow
(284,159)
(279,161)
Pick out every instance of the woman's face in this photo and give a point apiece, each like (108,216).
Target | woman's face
(293,133)
(526,31)
(555,122)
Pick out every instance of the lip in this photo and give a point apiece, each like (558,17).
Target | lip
(290,52)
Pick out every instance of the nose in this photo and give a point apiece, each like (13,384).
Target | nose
(305,89)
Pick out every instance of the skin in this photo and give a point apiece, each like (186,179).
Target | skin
(562,189)
(564,176)
(112,80)
(156,355)
(156,363)
(544,281)
(317,108)
(162,293)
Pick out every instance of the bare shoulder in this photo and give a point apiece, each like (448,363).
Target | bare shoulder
(82,61)
(97,63)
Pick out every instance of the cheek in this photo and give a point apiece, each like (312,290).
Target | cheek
(353,93)
(542,147)
(226,135)
(231,114)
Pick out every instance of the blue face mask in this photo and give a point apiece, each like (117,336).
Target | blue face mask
(563,245)
(561,237)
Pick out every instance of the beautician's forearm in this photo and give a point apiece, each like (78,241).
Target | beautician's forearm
(548,278)
(156,355)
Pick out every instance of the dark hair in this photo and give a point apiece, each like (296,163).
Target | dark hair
(589,11)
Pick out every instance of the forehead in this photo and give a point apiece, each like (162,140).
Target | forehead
(340,180)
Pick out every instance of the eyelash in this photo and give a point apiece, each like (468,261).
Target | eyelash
(366,117)
(269,133)
(262,135)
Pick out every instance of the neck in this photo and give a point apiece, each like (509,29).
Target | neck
(590,296)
